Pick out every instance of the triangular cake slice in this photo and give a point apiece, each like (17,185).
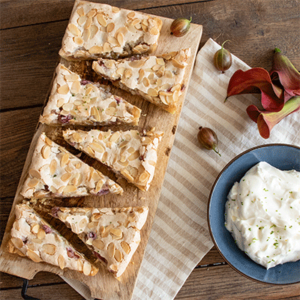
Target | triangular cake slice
(158,79)
(113,234)
(55,172)
(127,153)
(33,237)
(81,102)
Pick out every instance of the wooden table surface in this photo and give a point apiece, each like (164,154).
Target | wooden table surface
(31,32)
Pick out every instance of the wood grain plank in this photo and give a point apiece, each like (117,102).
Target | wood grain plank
(255,28)
(61,291)
(35,11)
(17,128)
(222,282)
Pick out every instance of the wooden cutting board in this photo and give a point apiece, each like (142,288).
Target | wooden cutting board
(104,285)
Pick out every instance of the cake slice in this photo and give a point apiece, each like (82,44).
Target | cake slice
(33,237)
(113,234)
(158,79)
(81,102)
(100,30)
(55,172)
(127,153)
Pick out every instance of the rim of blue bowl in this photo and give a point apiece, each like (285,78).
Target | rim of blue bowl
(208,206)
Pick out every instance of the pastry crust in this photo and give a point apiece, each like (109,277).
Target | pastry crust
(100,30)
(81,102)
(55,172)
(158,79)
(112,233)
(33,237)
(129,153)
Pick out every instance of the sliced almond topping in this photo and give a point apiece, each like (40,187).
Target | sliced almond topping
(69,189)
(78,40)
(64,160)
(106,47)
(98,186)
(41,234)
(91,13)
(98,244)
(154,31)
(156,67)
(169,74)
(49,249)
(146,82)
(80,11)
(110,27)
(93,30)
(176,64)
(120,38)
(160,61)
(137,63)
(113,268)
(81,20)
(75,88)
(163,99)
(64,89)
(101,20)
(78,165)
(87,268)
(88,91)
(45,151)
(131,150)
(96,50)
(116,231)
(88,23)
(96,216)
(127,73)
(112,40)
(79,265)
(74,29)
(134,155)
(17,242)
(35,228)
(126,174)
(65,177)
(68,106)
(104,157)
(60,102)
(144,177)
(135,22)
(33,256)
(114,137)
(123,30)
(77,138)
(97,147)
(86,35)
(110,111)
(131,15)
(61,261)
(111,250)
(152,92)
(145,28)
(95,113)
(115,9)
(118,255)
(125,247)
(123,144)
(138,26)
(159,82)
(176,87)
(34,173)
(109,64)
(33,182)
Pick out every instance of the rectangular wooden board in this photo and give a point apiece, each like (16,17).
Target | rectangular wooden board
(104,285)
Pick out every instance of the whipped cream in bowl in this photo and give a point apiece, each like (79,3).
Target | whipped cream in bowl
(254,213)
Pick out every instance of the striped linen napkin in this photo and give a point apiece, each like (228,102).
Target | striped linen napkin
(180,238)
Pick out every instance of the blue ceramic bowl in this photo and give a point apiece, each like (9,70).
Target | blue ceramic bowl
(281,156)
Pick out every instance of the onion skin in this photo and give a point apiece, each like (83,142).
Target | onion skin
(208,139)
(223,59)
(180,27)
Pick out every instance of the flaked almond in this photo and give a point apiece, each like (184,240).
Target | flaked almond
(78,40)
(65,177)
(110,111)
(97,147)
(95,113)
(49,249)
(137,63)
(41,234)
(79,265)
(160,61)
(106,47)
(101,20)
(123,30)
(61,262)
(96,216)
(109,64)
(60,102)
(69,189)
(33,182)
(114,137)
(154,31)
(177,64)
(78,165)
(125,247)
(98,244)
(110,27)
(91,13)
(127,73)
(144,177)
(77,137)
(135,22)
(64,160)
(126,174)
(116,231)
(152,92)
(118,255)
(156,67)
(34,173)
(94,271)
(17,242)
(98,186)
(45,151)
(74,29)
(111,250)
(81,20)
(35,228)
(134,155)
(86,34)
(68,106)
(88,23)
(88,90)
(53,166)
(80,11)
(112,40)
(96,50)
(64,89)
(120,38)
(131,15)
(33,256)
(93,31)
(87,268)
(176,87)
(146,82)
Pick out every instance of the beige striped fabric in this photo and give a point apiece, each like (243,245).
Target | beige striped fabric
(180,238)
